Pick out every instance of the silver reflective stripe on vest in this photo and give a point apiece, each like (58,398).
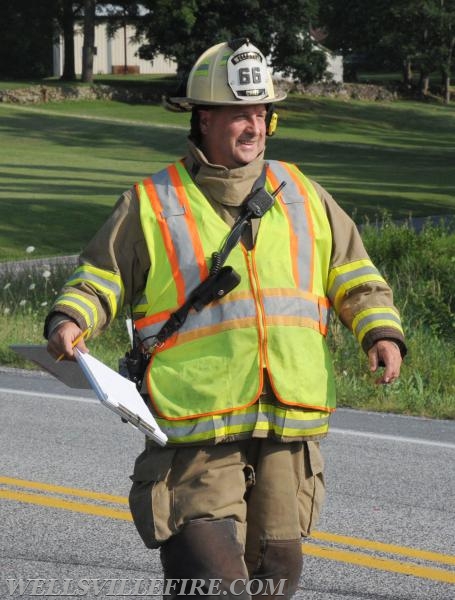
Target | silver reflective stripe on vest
(270,414)
(262,417)
(174,214)
(287,306)
(209,316)
(295,205)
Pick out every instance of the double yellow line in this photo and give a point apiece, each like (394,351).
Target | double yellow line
(332,546)
(384,564)
(99,510)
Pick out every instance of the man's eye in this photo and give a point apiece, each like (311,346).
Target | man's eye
(248,116)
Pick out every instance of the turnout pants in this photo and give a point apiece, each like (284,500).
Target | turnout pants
(230,515)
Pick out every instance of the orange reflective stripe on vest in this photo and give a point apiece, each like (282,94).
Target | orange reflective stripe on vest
(302,234)
(169,201)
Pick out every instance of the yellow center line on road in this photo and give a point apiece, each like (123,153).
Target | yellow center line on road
(381,547)
(60,489)
(82,507)
(383,564)
(310,549)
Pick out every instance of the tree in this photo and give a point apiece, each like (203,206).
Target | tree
(182,29)
(293,51)
(89,40)
(442,15)
(430,37)
(26,38)
(356,29)
(412,34)
(66,13)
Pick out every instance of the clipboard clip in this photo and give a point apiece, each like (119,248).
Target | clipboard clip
(135,420)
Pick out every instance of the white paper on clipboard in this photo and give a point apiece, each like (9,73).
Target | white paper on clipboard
(120,395)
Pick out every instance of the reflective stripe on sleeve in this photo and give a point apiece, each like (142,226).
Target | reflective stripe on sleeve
(349,276)
(375,317)
(108,284)
(80,304)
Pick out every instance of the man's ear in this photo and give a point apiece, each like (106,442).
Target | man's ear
(204,120)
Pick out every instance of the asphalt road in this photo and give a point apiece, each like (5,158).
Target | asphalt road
(387,531)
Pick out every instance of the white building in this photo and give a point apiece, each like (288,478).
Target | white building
(112,54)
(334,66)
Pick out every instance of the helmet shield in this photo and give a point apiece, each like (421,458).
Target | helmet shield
(247,73)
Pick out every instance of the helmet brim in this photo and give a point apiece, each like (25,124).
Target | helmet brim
(187,103)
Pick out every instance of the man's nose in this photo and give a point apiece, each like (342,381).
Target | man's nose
(254,125)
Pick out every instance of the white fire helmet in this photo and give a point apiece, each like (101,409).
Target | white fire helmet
(229,73)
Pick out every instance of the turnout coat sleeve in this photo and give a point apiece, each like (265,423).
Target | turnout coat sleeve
(370,295)
(117,249)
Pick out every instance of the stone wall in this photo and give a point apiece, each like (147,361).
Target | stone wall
(346,91)
(36,94)
(41,93)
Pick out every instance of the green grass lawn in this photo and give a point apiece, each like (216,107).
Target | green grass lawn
(59,175)
(63,165)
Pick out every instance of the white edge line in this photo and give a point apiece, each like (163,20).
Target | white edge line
(392,438)
(46,395)
(352,432)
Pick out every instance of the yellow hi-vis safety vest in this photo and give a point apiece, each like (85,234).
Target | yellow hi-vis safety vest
(276,318)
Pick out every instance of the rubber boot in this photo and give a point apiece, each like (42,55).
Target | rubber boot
(209,557)
(279,571)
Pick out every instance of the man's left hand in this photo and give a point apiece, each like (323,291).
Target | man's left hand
(388,353)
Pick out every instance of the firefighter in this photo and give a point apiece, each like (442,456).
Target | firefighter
(243,383)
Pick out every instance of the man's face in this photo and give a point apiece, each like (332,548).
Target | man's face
(233,136)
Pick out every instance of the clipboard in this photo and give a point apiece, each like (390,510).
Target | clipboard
(119,395)
(66,371)
(112,389)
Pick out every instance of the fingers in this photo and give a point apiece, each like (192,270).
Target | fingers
(60,343)
(387,353)
(373,359)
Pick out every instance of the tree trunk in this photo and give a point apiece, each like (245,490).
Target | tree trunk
(88,49)
(407,73)
(69,73)
(447,72)
(447,89)
(424,83)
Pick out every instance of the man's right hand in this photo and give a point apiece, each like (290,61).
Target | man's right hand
(62,339)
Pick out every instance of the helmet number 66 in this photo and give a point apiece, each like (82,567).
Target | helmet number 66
(249,75)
